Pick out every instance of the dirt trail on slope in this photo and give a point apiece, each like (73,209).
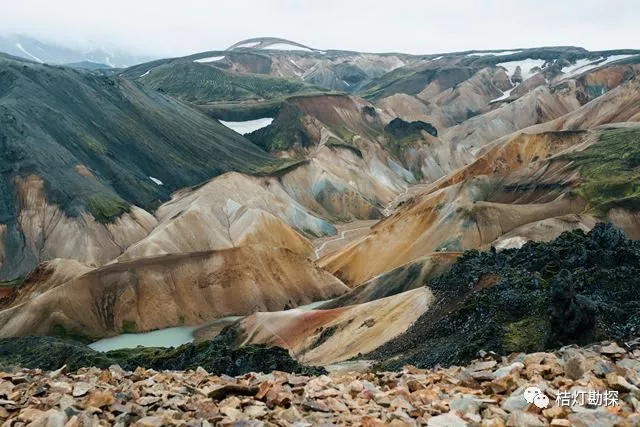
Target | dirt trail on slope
(351,231)
(346,234)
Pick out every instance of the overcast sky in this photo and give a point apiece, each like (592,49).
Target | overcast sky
(177,27)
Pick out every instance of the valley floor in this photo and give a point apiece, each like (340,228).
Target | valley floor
(488,392)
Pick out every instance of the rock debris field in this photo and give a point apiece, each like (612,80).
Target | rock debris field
(488,392)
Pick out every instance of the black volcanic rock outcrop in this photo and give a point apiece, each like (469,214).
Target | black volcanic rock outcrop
(577,289)
(400,128)
(217,356)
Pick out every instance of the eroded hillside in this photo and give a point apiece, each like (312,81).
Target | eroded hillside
(148,213)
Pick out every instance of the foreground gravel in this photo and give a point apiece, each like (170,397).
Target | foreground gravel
(488,392)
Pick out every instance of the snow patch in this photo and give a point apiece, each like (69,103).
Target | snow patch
(504,52)
(232,207)
(286,46)
(248,126)
(145,74)
(584,65)
(615,58)
(504,96)
(511,243)
(249,44)
(156,180)
(23,50)
(209,59)
(526,65)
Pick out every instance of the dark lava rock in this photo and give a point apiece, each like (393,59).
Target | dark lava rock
(577,289)
(217,356)
(401,129)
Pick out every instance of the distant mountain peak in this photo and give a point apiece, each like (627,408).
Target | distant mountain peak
(273,43)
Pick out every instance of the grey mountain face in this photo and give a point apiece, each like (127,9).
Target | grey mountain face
(50,53)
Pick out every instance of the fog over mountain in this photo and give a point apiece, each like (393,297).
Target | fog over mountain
(411,26)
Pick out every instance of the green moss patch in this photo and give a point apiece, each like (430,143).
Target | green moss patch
(106,208)
(129,326)
(610,170)
(528,334)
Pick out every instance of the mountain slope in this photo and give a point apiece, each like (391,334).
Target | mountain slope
(224,94)
(51,53)
(85,144)
(179,289)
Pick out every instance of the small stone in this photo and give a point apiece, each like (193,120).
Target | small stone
(255,411)
(61,387)
(30,414)
(560,422)
(612,349)
(574,367)
(465,405)
(524,419)
(147,400)
(290,415)
(336,405)
(220,392)
(482,366)
(315,405)
(80,389)
(556,412)
(447,420)
(356,386)
(150,422)
(117,372)
(514,403)
(66,401)
(507,370)
(100,399)
(232,413)
(55,374)
(593,418)
(492,422)
(51,418)
(619,383)
(263,389)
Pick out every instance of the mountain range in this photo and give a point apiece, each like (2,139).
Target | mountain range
(56,54)
(431,205)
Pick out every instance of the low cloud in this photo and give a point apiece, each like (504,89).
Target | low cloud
(187,26)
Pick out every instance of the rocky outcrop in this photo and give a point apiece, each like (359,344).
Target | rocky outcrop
(577,289)
(399,128)
(216,356)
(487,392)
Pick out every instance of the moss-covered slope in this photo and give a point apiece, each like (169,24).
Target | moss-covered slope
(223,94)
(217,356)
(610,170)
(96,141)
